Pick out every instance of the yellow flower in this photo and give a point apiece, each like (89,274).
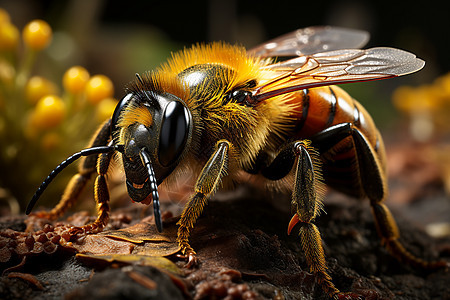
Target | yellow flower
(75,79)
(98,88)
(9,36)
(4,16)
(38,87)
(404,98)
(105,109)
(49,112)
(50,141)
(443,83)
(37,34)
(7,72)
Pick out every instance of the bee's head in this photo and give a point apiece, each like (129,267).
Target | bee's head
(155,129)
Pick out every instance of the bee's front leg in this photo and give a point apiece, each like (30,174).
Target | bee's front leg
(85,170)
(101,195)
(208,181)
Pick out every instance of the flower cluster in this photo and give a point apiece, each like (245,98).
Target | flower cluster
(42,121)
(427,107)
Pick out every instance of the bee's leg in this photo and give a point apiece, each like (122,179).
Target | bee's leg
(208,181)
(101,195)
(307,194)
(306,201)
(373,181)
(86,168)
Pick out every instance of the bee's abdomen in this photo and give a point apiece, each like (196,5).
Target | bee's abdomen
(324,107)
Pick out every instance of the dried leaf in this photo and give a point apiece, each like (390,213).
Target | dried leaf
(156,249)
(153,261)
(143,232)
(102,245)
(140,239)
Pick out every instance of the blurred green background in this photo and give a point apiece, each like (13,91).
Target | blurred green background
(120,38)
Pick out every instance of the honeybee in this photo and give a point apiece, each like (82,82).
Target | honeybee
(228,114)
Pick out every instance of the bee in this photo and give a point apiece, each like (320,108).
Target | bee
(230,115)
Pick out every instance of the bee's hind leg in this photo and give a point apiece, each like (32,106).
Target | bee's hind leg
(373,181)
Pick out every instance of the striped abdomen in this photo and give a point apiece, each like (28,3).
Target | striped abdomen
(323,107)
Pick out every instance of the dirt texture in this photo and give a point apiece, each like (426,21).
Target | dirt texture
(243,252)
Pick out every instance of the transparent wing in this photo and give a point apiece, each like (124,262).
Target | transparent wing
(312,40)
(335,67)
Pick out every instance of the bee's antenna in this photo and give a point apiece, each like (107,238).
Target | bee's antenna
(64,164)
(150,99)
(145,158)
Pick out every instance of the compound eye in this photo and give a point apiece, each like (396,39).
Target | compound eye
(174,132)
(118,110)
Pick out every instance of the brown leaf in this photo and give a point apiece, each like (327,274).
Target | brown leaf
(140,239)
(102,245)
(143,232)
(154,261)
(156,248)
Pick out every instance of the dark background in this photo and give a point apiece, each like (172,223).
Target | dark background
(420,27)
(120,38)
